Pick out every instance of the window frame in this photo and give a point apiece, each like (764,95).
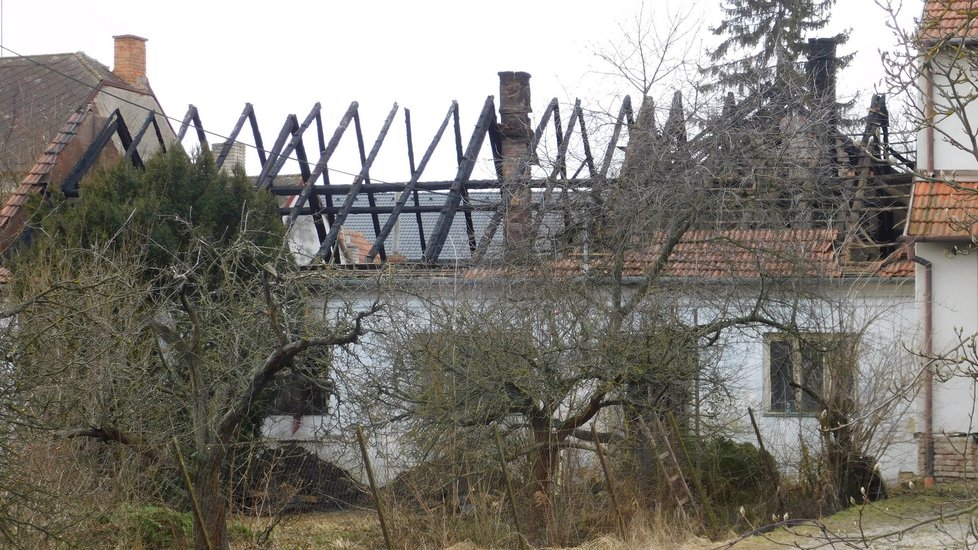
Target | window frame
(796,344)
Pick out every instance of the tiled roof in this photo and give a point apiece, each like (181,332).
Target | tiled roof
(897,265)
(735,254)
(949,19)
(940,210)
(36,180)
(37,95)
(742,253)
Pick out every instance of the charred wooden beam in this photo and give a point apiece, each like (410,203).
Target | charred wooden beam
(309,187)
(375,210)
(222,155)
(444,223)
(365,170)
(410,188)
(268,175)
(586,145)
(132,151)
(317,217)
(624,113)
(291,122)
(325,251)
(417,200)
(489,233)
(111,127)
(559,168)
(192,117)
(469,226)
(422,186)
(259,143)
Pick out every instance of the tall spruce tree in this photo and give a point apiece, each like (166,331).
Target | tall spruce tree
(763,42)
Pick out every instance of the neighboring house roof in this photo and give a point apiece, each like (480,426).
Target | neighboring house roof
(747,254)
(943,211)
(52,107)
(36,179)
(949,19)
(37,95)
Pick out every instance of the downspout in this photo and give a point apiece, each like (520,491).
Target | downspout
(928,302)
(928,351)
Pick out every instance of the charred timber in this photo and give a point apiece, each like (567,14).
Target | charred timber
(343,189)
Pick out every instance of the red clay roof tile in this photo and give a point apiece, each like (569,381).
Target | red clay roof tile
(949,19)
(939,209)
(37,179)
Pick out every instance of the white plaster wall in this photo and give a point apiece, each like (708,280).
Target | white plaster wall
(885,315)
(884,312)
(955,309)
(952,122)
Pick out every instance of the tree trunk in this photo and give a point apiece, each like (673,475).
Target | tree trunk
(543,463)
(211,532)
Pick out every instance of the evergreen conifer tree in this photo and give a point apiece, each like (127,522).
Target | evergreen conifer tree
(764,40)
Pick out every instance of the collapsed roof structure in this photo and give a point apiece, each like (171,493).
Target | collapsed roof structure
(545,201)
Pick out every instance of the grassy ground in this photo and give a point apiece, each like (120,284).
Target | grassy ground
(885,524)
(938,517)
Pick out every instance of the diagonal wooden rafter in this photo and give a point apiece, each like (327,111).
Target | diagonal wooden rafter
(411,188)
(443,225)
(325,251)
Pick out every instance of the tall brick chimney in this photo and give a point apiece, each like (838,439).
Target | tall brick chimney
(130,60)
(516,133)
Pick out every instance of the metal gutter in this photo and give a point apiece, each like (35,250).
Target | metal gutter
(928,350)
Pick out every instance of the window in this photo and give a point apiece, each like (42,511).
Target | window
(807,371)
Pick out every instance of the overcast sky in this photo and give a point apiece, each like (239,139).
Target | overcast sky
(287,55)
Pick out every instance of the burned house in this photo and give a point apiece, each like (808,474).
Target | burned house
(758,194)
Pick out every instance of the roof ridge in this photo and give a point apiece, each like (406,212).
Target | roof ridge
(98,69)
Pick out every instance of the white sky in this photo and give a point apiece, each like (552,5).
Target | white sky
(283,56)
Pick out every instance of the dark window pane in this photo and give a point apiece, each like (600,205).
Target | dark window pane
(812,375)
(782,395)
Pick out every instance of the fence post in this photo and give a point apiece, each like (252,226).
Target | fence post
(198,514)
(373,487)
(509,488)
(611,483)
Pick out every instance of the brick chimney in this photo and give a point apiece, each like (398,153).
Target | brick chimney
(130,60)
(516,134)
(235,155)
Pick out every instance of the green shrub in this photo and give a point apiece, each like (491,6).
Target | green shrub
(157,526)
(739,475)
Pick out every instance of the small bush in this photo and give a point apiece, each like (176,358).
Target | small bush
(157,526)
(739,475)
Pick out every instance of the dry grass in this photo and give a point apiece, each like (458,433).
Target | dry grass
(327,530)
(359,529)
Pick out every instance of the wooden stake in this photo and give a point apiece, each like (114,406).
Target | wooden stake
(373,487)
(609,480)
(509,488)
(198,515)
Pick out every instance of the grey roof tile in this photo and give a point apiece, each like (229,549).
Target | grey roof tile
(37,95)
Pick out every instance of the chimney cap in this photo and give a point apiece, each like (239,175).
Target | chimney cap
(521,75)
(128,37)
